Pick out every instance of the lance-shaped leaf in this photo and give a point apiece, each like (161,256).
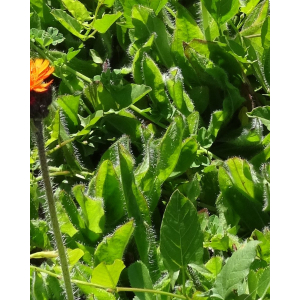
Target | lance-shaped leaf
(137,207)
(174,82)
(181,240)
(235,270)
(254,21)
(186,29)
(154,79)
(137,61)
(108,187)
(108,275)
(160,160)
(112,247)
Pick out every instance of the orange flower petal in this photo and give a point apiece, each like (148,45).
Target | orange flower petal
(39,71)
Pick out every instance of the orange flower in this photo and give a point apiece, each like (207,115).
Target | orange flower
(39,71)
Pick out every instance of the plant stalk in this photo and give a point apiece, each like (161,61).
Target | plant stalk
(52,210)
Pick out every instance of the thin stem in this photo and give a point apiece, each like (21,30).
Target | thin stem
(60,145)
(183,281)
(209,153)
(117,289)
(252,36)
(139,111)
(95,17)
(52,210)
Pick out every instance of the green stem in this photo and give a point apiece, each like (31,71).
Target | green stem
(210,153)
(252,36)
(117,289)
(52,210)
(139,111)
(60,145)
(95,17)
(205,17)
(183,281)
(64,173)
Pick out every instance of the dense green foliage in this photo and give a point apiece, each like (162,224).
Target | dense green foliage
(158,141)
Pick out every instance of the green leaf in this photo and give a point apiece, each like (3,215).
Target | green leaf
(248,6)
(108,275)
(157,5)
(46,38)
(180,235)
(263,285)
(256,53)
(214,265)
(77,9)
(174,82)
(191,189)
(160,159)
(68,22)
(222,10)
(139,277)
(96,57)
(108,187)
(71,210)
(146,23)
(89,122)
(263,248)
(38,234)
(106,21)
(74,255)
(92,213)
(66,225)
(137,61)
(187,156)
(262,113)
(137,207)
(265,33)
(186,29)
(70,105)
(235,270)
(254,21)
(39,290)
(129,94)
(113,246)
(243,190)
(154,79)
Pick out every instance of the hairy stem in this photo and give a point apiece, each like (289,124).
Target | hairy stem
(52,210)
